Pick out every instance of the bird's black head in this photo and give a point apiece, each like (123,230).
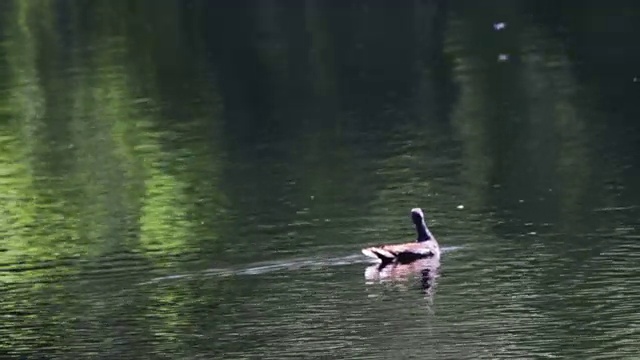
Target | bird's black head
(417,216)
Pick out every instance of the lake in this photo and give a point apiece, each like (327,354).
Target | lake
(195,179)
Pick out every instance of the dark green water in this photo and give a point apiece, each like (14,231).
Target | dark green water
(184,180)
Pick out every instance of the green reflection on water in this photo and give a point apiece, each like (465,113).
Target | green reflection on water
(87,174)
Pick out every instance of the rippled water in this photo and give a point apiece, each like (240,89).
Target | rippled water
(197,182)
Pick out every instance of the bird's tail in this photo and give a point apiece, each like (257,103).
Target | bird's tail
(379,253)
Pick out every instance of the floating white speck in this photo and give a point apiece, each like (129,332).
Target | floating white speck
(460,206)
(499,26)
(312,197)
(503,57)
(533,233)
(636,79)
(521,201)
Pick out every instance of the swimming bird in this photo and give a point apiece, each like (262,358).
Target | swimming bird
(425,246)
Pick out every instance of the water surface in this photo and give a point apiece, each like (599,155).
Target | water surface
(185,180)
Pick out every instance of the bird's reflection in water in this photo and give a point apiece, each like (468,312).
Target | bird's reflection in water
(424,270)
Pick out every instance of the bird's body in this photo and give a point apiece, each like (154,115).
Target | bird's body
(425,246)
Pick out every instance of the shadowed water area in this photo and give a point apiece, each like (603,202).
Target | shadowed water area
(195,179)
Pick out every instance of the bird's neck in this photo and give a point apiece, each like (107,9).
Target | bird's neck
(423,232)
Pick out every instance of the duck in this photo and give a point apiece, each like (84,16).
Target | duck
(425,246)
